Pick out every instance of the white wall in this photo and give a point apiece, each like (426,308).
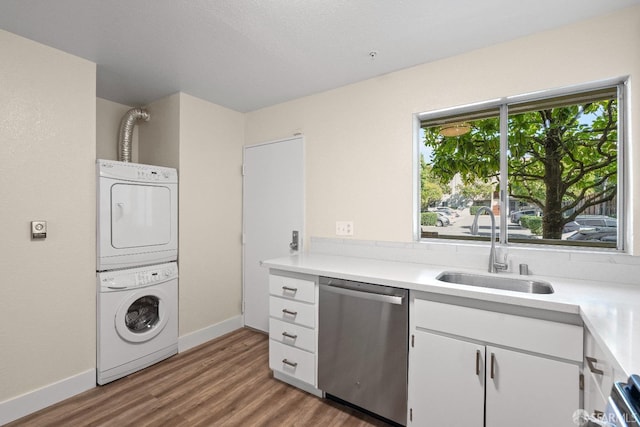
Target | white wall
(359,138)
(47,157)
(160,137)
(204,142)
(211,141)
(109,114)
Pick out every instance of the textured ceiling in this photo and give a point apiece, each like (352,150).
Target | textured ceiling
(248,54)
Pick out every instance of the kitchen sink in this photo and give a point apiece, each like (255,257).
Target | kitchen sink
(495,282)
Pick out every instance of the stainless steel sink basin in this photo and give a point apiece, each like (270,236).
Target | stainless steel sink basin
(496,282)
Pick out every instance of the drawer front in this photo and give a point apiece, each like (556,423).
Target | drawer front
(292,361)
(291,334)
(525,333)
(597,366)
(296,289)
(292,311)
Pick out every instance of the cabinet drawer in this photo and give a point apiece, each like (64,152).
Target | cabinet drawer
(292,361)
(291,334)
(597,366)
(293,311)
(296,289)
(536,335)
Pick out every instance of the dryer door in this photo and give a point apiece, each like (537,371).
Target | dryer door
(143,315)
(140,215)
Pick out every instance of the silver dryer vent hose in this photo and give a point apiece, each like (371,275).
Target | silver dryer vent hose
(126,131)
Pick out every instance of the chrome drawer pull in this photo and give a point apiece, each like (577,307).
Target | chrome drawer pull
(292,364)
(493,363)
(289,312)
(478,362)
(288,335)
(288,289)
(591,361)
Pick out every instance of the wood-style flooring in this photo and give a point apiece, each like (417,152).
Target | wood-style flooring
(225,382)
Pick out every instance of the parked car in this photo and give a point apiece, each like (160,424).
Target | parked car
(602,234)
(443,220)
(570,227)
(450,216)
(596,221)
(515,216)
(448,211)
(589,221)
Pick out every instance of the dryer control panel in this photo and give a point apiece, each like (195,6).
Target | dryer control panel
(136,172)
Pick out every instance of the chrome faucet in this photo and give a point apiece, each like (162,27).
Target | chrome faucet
(494,266)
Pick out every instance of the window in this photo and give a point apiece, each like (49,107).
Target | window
(549,169)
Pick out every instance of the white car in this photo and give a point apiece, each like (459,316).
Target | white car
(515,216)
(447,210)
(443,220)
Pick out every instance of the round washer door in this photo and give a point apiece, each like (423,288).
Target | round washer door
(143,315)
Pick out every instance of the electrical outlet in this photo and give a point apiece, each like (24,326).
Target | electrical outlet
(344,228)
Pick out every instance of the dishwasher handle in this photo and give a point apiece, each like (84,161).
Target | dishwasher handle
(371,296)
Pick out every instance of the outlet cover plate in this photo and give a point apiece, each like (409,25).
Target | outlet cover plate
(344,228)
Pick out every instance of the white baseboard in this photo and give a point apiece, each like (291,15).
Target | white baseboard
(25,404)
(203,335)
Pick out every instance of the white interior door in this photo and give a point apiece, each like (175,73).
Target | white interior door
(273,207)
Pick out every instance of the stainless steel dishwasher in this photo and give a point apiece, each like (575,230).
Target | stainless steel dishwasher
(363,346)
(623,408)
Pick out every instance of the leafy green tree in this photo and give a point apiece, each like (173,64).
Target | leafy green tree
(561,159)
(475,190)
(431,193)
(431,188)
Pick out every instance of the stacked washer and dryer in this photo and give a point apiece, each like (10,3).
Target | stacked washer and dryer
(137,278)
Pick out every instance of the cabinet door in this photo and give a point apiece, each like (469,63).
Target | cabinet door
(529,391)
(446,382)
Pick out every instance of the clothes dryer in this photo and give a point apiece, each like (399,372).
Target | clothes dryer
(137,319)
(137,214)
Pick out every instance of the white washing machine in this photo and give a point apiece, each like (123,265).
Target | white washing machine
(137,319)
(137,214)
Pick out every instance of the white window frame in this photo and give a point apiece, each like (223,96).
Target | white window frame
(624,198)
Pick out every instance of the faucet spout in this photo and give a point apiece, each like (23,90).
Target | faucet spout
(494,266)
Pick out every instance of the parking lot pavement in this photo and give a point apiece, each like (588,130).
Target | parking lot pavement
(462,227)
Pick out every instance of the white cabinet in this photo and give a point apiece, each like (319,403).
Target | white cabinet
(530,391)
(472,367)
(293,337)
(446,382)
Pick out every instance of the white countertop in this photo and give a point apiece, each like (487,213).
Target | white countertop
(610,311)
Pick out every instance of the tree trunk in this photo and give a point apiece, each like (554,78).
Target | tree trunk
(552,220)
